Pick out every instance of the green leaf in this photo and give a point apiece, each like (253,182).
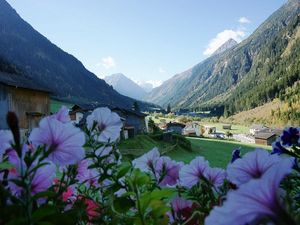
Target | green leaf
(43,212)
(122,204)
(163,193)
(125,167)
(5,166)
(43,194)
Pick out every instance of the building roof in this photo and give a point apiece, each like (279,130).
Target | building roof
(92,106)
(175,124)
(258,127)
(276,131)
(129,111)
(88,106)
(264,135)
(22,81)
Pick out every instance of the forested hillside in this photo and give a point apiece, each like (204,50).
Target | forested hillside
(252,73)
(65,76)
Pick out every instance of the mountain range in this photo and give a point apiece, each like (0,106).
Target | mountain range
(22,47)
(125,86)
(262,67)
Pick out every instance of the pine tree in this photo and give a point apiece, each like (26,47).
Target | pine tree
(169,108)
(136,106)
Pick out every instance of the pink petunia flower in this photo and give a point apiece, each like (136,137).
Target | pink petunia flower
(69,194)
(257,199)
(108,124)
(252,166)
(63,141)
(92,209)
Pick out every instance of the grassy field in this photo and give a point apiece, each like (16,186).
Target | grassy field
(56,105)
(137,146)
(217,152)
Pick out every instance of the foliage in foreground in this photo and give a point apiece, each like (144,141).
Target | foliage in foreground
(63,175)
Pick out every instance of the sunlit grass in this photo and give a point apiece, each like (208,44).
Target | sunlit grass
(217,152)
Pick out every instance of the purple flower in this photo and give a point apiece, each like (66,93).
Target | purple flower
(167,171)
(62,140)
(86,174)
(254,200)
(192,173)
(278,148)
(180,209)
(235,155)
(6,140)
(62,115)
(179,204)
(108,124)
(215,176)
(41,180)
(252,166)
(290,136)
(148,161)
(105,153)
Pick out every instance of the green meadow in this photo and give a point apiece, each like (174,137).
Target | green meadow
(217,152)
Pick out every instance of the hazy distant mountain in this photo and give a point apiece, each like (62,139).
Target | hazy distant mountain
(249,74)
(125,86)
(227,45)
(29,51)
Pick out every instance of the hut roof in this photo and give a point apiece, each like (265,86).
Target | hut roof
(264,135)
(22,81)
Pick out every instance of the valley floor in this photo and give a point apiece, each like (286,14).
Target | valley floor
(217,152)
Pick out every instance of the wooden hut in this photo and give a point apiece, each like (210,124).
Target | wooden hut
(24,97)
(265,138)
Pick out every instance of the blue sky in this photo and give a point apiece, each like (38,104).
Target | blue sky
(147,40)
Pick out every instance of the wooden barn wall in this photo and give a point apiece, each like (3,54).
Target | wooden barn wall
(3,107)
(261,141)
(25,100)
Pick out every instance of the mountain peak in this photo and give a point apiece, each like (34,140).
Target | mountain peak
(125,86)
(227,45)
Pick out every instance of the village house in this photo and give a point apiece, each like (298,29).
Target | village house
(227,126)
(265,138)
(192,129)
(256,128)
(162,126)
(134,121)
(25,97)
(210,129)
(175,127)
(79,112)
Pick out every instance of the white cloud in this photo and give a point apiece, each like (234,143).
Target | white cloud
(107,62)
(161,70)
(221,38)
(244,20)
(154,83)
